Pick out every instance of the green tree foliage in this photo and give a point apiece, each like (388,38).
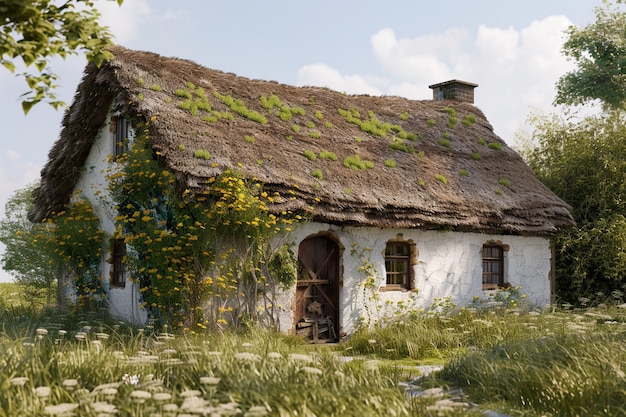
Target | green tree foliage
(38,30)
(599,54)
(583,163)
(23,257)
(65,248)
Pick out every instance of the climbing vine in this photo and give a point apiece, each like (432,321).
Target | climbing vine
(74,242)
(200,256)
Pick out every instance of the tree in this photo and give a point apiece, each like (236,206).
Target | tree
(37,30)
(24,256)
(599,53)
(583,163)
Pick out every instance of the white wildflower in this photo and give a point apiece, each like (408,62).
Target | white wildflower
(131,379)
(60,409)
(69,384)
(18,381)
(274,355)
(170,408)
(140,396)
(161,396)
(103,408)
(247,356)
(43,391)
(298,357)
(209,380)
(312,371)
(190,393)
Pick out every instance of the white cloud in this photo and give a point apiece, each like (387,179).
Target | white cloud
(325,76)
(11,154)
(419,59)
(123,21)
(516,69)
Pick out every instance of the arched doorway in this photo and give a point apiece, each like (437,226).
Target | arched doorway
(316,315)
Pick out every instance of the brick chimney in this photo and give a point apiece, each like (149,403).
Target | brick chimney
(454,90)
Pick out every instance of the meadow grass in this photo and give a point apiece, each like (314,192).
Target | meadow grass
(519,362)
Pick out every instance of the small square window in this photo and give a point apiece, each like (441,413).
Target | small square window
(493,267)
(398,265)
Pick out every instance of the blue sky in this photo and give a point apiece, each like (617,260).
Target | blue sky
(396,47)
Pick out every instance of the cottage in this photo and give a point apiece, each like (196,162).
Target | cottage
(421,192)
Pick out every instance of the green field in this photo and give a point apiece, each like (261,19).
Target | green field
(520,363)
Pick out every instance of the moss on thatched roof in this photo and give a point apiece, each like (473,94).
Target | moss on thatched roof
(348,159)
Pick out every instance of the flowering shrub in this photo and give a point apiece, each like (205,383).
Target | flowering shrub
(74,240)
(200,256)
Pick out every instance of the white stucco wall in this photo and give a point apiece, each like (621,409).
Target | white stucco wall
(449,264)
(123,302)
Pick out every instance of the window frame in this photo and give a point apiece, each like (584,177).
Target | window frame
(120,146)
(118,266)
(491,260)
(394,259)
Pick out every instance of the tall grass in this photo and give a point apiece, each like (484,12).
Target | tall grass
(577,372)
(567,363)
(132,373)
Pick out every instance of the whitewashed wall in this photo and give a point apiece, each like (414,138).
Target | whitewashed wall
(123,302)
(449,264)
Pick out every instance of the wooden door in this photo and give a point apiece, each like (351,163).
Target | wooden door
(317,290)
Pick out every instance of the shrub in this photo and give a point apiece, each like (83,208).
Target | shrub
(495,145)
(431,122)
(464,173)
(317,173)
(249,138)
(504,182)
(444,142)
(390,163)
(355,162)
(400,145)
(405,115)
(469,120)
(475,156)
(202,154)
(182,93)
(441,179)
(156,87)
(309,154)
(331,156)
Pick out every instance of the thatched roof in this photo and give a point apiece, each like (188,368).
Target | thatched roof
(488,189)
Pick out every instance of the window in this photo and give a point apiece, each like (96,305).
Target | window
(493,267)
(398,265)
(118,269)
(121,136)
